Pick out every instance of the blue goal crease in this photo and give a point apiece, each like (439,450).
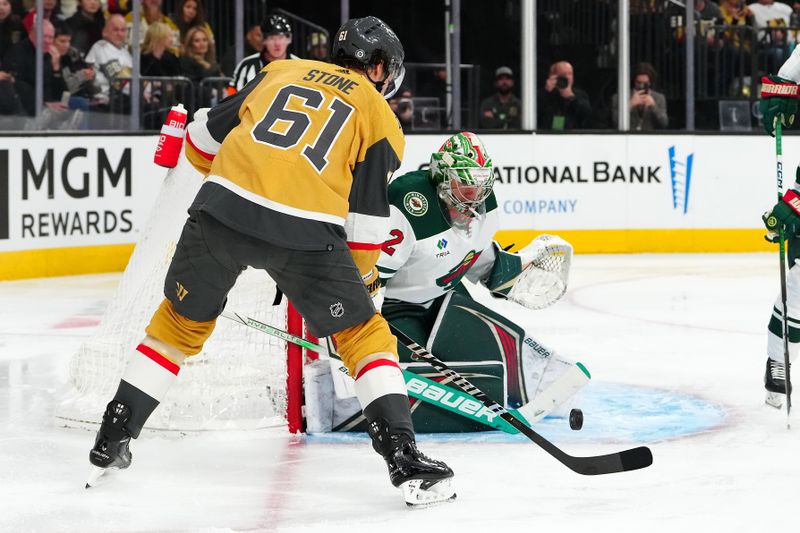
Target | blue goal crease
(613,413)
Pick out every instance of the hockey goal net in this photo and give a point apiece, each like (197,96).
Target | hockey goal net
(243,379)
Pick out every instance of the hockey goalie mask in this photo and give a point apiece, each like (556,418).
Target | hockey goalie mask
(462,172)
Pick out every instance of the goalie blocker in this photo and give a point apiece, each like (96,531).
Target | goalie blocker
(493,352)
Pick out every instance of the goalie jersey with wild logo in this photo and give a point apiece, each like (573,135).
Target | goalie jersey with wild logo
(426,254)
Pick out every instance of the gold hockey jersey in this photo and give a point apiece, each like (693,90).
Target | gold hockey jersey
(301,157)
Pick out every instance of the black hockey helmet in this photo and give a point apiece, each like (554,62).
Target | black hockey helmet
(367,41)
(276,24)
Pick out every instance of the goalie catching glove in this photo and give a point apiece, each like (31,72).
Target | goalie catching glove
(537,276)
(778,102)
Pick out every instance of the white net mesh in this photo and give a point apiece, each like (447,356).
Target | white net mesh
(237,382)
(545,278)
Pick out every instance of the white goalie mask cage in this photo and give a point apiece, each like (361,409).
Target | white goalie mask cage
(544,278)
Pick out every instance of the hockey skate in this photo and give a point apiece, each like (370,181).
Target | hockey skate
(424,481)
(110,451)
(775,383)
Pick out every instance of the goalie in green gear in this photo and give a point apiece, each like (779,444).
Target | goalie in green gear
(443,220)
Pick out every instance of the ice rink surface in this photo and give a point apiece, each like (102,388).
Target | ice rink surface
(676,348)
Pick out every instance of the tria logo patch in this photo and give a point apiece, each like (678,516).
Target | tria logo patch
(415,203)
(180,291)
(442,245)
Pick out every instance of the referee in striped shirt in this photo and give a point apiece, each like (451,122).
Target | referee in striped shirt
(277,37)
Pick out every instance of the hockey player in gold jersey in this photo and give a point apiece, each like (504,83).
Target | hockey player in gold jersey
(297,165)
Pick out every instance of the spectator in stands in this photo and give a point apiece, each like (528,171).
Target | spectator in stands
(199,60)
(123,7)
(708,14)
(277,34)
(502,110)
(734,47)
(67,8)
(434,84)
(21,61)
(111,60)
(77,74)
(157,59)
(773,44)
(9,101)
(187,15)
(86,25)
(647,107)
(561,105)
(253,41)
(403,107)
(151,13)
(52,12)
(317,47)
(707,10)
(18,8)
(11,29)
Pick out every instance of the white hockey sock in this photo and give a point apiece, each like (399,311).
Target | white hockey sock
(379,378)
(150,372)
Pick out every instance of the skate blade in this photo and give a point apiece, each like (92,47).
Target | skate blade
(418,495)
(774,399)
(97,476)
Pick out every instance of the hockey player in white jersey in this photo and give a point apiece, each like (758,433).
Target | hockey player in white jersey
(442,224)
(779,102)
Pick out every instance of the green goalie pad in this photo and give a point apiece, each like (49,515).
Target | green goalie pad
(480,344)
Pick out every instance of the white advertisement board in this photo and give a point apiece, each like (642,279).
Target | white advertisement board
(642,192)
(570,182)
(75,191)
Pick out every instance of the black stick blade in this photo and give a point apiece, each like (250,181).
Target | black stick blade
(636,458)
(597,465)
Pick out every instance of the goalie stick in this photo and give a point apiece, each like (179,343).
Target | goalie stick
(445,397)
(632,459)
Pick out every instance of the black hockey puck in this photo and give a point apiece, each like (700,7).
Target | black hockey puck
(575,419)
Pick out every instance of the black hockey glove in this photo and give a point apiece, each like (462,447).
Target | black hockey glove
(786,215)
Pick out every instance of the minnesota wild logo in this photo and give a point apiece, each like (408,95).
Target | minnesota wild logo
(449,280)
(415,203)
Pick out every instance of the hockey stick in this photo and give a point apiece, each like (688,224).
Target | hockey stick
(782,258)
(623,461)
(419,387)
(453,400)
